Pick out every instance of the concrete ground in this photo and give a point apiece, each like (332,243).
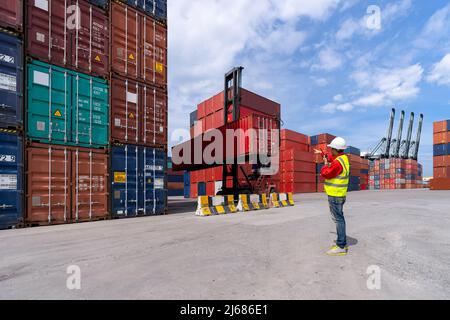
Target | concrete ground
(274,254)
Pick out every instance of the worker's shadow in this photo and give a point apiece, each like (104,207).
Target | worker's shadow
(350,241)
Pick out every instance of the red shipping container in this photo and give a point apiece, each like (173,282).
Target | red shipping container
(66,184)
(242,144)
(194,190)
(299,187)
(11,15)
(210,189)
(288,145)
(294,154)
(299,166)
(298,177)
(139,46)
(201,110)
(84,48)
(441,138)
(325,138)
(138,113)
(294,136)
(440,184)
(441,172)
(441,126)
(441,161)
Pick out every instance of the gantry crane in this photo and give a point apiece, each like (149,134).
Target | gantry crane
(398,148)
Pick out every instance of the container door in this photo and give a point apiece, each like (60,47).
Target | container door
(125,181)
(155,193)
(11,189)
(89,178)
(11,88)
(154,109)
(48,191)
(49,91)
(90,42)
(125,106)
(49,25)
(90,113)
(154,53)
(125,40)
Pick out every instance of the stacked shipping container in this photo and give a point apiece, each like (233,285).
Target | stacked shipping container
(139,106)
(255,112)
(390,174)
(441,159)
(68,119)
(11,114)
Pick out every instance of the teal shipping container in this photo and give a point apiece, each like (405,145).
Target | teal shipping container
(66,107)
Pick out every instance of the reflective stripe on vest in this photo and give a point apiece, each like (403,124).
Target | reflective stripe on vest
(337,187)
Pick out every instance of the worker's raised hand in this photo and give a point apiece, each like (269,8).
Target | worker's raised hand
(317,151)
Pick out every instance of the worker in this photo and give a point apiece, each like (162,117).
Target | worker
(336,172)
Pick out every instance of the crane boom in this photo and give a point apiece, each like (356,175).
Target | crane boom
(389,134)
(399,135)
(415,155)
(409,136)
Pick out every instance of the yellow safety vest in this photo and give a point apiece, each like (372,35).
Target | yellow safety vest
(338,186)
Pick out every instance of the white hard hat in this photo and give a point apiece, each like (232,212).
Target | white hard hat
(338,144)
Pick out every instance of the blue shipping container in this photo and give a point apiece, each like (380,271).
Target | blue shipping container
(187,179)
(99,3)
(187,192)
(156,8)
(314,140)
(138,186)
(201,189)
(176,193)
(11,184)
(175,179)
(11,87)
(441,149)
(353,150)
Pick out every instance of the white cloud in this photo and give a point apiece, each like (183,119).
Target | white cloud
(321,82)
(436,28)
(329,60)
(440,73)
(206,39)
(380,87)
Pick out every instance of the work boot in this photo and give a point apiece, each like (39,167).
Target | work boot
(336,251)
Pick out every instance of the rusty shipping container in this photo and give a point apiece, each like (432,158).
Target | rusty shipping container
(79,43)
(11,16)
(66,184)
(138,113)
(138,46)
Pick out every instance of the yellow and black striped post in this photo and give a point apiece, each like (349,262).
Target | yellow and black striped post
(204,206)
(283,199)
(290,197)
(263,201)
(229,204)
(274,201)
(218,205)
(244,205)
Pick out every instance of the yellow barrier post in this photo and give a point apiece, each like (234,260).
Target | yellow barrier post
(263,201)
(275,203)
(291,199)
(218,205)
(283,199)
(243,203)
(204,208)
(229,204)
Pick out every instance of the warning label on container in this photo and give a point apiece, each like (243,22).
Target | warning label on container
(97,58)
(58,114)
(159,67)
(159,183)
(8,182)
(8,82)
(131,56)
(120,177)
(131,115)
(40,126)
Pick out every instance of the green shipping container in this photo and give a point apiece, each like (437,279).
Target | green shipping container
(66,107)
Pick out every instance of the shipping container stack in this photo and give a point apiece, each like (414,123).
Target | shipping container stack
(354,157)
(67,112)
(139,107)
(364,174)
(393,174)
(297,166)
(441,153)
(11,114)
(210,115)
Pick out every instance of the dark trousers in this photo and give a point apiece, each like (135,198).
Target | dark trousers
(337,214)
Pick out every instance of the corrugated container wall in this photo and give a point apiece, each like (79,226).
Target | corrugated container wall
(57,37)
(155,8)
(139,46)
(75,113)
(66,184)
(11,15)
(138,113)
(138,181)
(11,86)
(11,183)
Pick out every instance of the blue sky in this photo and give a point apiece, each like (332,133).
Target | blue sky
(330,68)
